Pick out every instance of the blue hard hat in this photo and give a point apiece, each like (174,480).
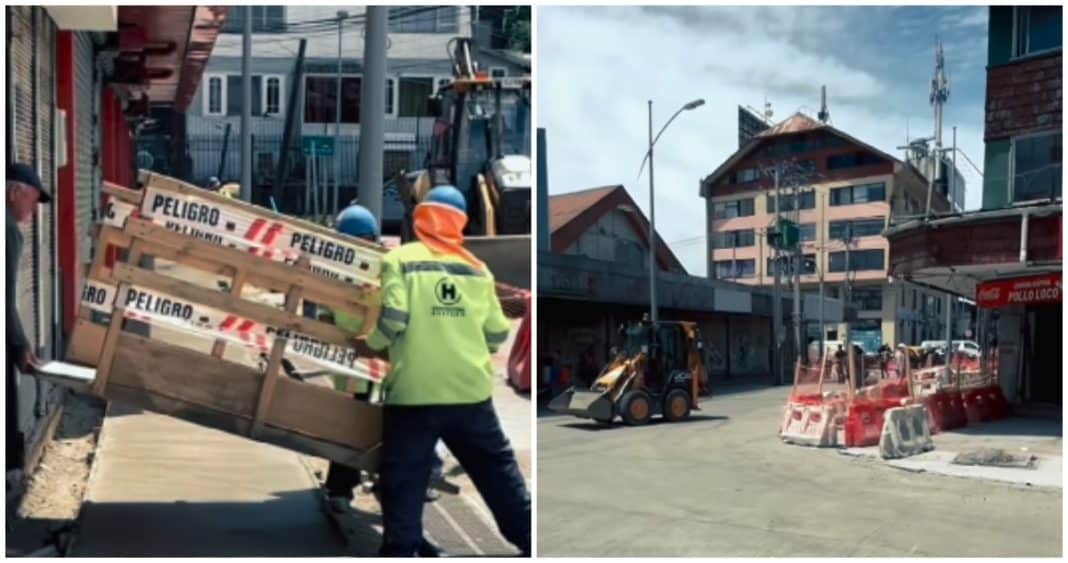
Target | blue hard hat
(357,221)
(448,195)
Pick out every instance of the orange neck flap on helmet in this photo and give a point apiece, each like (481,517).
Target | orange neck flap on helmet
(441,228)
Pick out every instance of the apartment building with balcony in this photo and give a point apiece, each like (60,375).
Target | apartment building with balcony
(842,210)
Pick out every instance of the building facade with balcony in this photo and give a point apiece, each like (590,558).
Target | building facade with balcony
(849,193)
(418,47)
(1008,255)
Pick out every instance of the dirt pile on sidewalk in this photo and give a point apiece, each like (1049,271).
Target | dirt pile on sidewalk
(53,498)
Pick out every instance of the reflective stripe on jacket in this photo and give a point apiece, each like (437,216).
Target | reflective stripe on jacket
(441,320)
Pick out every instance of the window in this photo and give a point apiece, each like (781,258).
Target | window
(864,193)
(1036,167)
(860,260)
(415,91)
(851,160)
(802,144)
(786,265)
(838,230)
(391,88)
(807,232)
(443,82)
(424,19)
(234,89)
(730,209)
(1038,29)
(265,19)
(729,269)
(746,175)
(215,98)
(868,298)
(733,239)
(498,72)
(808,201)
(272,95)
(320,99)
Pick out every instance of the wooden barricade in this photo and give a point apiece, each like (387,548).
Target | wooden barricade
(203,232)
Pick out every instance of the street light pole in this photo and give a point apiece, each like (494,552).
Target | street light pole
(653,315)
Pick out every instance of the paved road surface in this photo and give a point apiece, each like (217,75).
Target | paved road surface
(723,485)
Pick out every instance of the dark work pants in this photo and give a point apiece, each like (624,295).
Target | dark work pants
(473,434)
(14,438)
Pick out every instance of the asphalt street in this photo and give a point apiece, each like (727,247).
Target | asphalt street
(722,484)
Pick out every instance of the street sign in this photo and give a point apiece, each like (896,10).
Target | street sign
(317,145)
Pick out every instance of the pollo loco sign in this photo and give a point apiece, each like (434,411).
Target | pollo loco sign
(1030,290)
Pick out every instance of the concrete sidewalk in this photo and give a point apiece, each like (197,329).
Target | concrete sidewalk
(165,487)
(1041,438)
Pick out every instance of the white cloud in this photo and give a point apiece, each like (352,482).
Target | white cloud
(597,67)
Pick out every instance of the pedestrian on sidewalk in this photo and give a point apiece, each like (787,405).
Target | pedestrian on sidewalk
(441,320)
(24,192)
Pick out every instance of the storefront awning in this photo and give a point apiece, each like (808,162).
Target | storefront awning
(163,51)
(959,252)
(1041,289)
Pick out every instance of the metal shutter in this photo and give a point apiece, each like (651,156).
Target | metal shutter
(21,60)
(85,144)
(46,240)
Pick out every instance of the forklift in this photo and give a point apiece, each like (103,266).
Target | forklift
(657,371)
(480,144)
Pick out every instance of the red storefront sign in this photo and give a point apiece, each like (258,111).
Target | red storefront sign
(1029,290)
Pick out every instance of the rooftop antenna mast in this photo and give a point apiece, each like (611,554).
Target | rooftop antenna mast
(939,96)
(824,115)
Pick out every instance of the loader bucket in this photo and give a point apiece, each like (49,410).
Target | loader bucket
(584,404)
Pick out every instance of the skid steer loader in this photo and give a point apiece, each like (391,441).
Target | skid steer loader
(657,371)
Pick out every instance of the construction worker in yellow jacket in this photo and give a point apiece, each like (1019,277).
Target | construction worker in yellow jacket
(441,320)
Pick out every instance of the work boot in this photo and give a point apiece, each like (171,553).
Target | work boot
(429,549)
(339,504)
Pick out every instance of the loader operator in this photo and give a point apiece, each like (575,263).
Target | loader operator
(441,320)
(357,221)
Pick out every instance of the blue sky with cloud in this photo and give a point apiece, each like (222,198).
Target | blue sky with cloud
(598,66)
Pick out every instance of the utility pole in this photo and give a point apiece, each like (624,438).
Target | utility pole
(798,342)
(653,316)
(341,15)
(373,110)
(776,305)
(246,108)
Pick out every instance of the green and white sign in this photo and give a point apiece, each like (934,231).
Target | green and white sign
(317,145)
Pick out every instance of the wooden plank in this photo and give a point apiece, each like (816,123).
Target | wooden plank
(161,404)
(107,351)
(327,414)
(318,285)
(337,302)
(227,422)
(274,364)
(162,182)
(122,193)
(86,341)
(367,460)
(180,373)
(237,283)
(258,312)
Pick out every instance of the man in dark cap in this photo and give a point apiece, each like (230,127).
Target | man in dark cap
(24,192)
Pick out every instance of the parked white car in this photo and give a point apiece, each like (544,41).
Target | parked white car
(969,347)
